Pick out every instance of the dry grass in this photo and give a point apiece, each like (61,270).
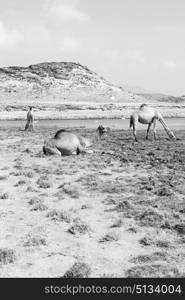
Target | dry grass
(44,182)
(39,207)
(59,215)
(78,227)
(20,182)
(150,217)
(35,241)
(78,270)
(156,256)
(109,237)
(153,270)
(72,190)
(7,256)
(4,196)
(121,209)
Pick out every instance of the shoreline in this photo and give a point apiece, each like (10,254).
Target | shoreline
(80,119)
(87,111)
(114,123)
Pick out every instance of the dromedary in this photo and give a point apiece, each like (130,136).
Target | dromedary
(147,115)
(67,143)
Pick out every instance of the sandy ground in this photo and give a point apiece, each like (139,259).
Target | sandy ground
(119,212)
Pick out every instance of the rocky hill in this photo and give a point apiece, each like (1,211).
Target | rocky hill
(70,90)
(56,81)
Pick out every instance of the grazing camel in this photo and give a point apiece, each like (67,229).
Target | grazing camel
(68,143)
(147,115)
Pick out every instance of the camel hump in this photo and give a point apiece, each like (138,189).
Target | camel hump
(57,134)
(143,106)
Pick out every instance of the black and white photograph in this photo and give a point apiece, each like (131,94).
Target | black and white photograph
(92,139)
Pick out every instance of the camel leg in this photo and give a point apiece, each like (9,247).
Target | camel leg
(147,133)
(78,150)
(134,132)
(166,128)
(154,128)
(81,149)
(88,151)
(51,151)
(133,122)
(56,152)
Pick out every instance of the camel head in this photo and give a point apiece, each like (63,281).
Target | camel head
(101,130)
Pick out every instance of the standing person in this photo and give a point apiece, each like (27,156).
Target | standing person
(30,119)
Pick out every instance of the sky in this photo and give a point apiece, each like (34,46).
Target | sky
(129,42)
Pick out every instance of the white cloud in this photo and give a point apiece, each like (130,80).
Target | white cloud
(9,37)
(170,64)
(70,45)
(61,11)
(136,55)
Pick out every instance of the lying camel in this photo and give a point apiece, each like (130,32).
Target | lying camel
(68,143)
(147,115)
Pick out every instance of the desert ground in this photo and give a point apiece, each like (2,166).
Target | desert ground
(118,212)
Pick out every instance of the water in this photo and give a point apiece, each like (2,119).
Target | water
(173,123)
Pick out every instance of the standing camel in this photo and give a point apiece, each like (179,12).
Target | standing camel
(68,143)
(147,115)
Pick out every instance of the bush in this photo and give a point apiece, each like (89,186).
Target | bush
(7,256)
(78,270)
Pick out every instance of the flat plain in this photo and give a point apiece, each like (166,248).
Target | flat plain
(118,212)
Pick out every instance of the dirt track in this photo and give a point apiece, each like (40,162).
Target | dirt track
(120,210)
